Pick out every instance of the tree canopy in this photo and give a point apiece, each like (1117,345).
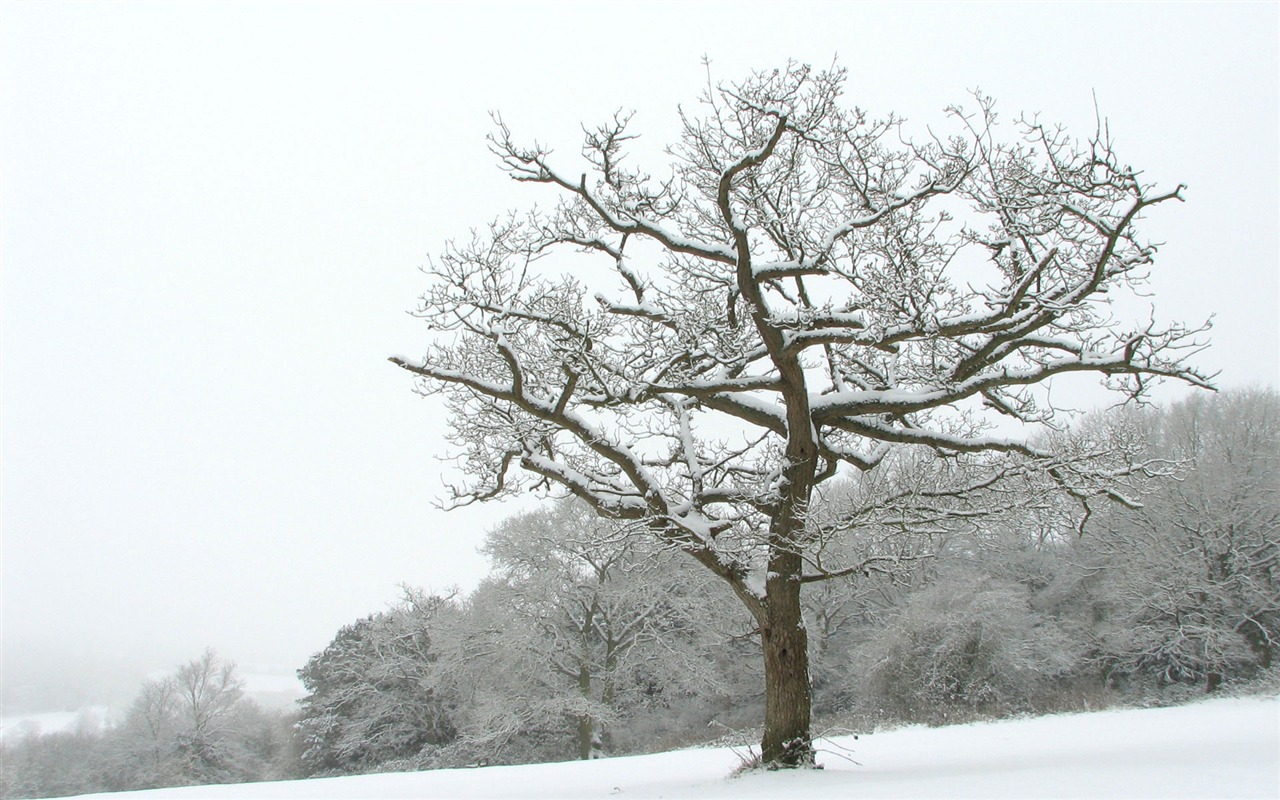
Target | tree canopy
(805,288)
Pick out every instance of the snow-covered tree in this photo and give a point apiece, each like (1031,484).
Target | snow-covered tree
(1191,582)
(373,692)
(581,627)
(207,693)
(806,288)
(968,643)
(53,764)
(147,741)
(194,726)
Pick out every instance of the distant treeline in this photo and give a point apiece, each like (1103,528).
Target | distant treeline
(588,639)
(193,726)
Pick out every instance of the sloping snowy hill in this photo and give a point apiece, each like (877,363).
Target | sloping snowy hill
(1213,749)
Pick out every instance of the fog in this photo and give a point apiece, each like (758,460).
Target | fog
(212,217)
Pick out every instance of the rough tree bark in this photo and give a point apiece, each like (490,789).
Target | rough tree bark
(785,642)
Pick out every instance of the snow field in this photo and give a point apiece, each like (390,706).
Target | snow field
(1224,748)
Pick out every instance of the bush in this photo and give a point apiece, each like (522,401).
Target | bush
(963,647)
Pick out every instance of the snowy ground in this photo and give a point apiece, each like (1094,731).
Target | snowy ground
(1212,749)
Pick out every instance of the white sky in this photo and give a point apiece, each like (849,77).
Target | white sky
(212,215)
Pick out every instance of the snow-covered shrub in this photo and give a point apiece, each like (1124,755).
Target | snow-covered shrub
(963,646)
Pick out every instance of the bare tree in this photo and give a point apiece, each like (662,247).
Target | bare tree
(603,613)
(207,693)
(804,290)
(193,726)
(148,734)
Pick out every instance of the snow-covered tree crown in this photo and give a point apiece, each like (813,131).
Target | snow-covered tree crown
(803,291)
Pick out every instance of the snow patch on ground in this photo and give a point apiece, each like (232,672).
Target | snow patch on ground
(90,719)
(1212,749)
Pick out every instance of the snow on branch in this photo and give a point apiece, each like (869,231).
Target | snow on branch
(805,293)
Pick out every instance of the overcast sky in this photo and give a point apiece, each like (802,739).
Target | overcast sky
(212,218)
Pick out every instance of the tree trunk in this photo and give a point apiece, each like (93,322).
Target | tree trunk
(586,733)
(787,741)
(586,725)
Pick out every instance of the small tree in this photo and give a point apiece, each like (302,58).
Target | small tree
(190,727)
(598,615)
(800,293)
(207,693)
(147,738)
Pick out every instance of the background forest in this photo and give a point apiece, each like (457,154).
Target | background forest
(589,639)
